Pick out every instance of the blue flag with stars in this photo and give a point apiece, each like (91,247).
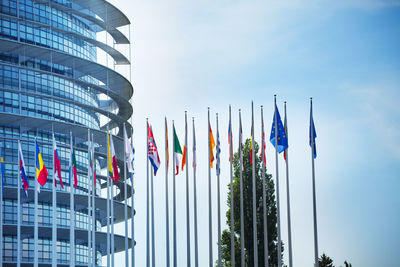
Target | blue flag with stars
(312,134)
(282,138)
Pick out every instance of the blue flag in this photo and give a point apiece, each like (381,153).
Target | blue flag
(312,134)
(282,138)
(218,165)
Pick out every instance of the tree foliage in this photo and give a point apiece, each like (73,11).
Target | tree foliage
(248,212)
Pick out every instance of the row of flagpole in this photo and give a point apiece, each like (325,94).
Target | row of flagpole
(41,175)
(279,139)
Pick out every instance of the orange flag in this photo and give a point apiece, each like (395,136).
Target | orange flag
(184,157)
(212,145)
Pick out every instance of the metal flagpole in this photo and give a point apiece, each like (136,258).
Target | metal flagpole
(288,195)
(277,185)
(187,195)
(1,206)
(147,198)
(218,194)
(313,184)
(112,220)
(89,206)
(242,259)
(255,245)
(210,255)
(166,195)
(133,212)
(196,256)
(36,232)
(72,212)
(54,230)
(231,188)
(174,200)
(126,200)
(265,224)
(19,210)
(153,248)
(93,205)
(108,198)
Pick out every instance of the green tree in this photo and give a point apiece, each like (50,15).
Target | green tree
(248,213)
(325,261)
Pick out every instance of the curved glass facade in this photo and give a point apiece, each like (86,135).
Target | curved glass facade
(52,82)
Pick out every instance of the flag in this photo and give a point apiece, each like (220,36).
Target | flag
(41,171)
(153,152)
(177,150)
(128,152)
(184,157)
(24,178)
(312,133)
(230,140)
(263,158)
(212,145)
(57,164)
(218,152)
(166,141)
(113,160)
(72,166)
(251,148)
(282,138)
(194,147)
(2,169)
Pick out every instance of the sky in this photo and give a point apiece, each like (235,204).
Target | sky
(190,55)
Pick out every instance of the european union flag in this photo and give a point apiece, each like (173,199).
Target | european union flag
(282,137)
(312,134)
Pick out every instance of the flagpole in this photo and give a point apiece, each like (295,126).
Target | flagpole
(187,195)
(218,195)
(265,224)
(133,213)
(166,196)
(36,232)
(147,198)
(288,195)
(313,184)
(196,256)
(174,201)
(108,198)
(112,219)
(1,204)
(19,209)
(210,252)
(93,205)
(231,188)
(126,201)
(89,207)
(242,259)
(54,230)
(277,186)
(72,211)
(153,250)
(255,245)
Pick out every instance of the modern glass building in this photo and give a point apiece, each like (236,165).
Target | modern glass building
(60,71)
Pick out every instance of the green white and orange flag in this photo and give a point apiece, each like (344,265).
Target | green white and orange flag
(177,150)
(212,145)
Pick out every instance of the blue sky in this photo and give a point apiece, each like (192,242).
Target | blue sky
(188,55)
